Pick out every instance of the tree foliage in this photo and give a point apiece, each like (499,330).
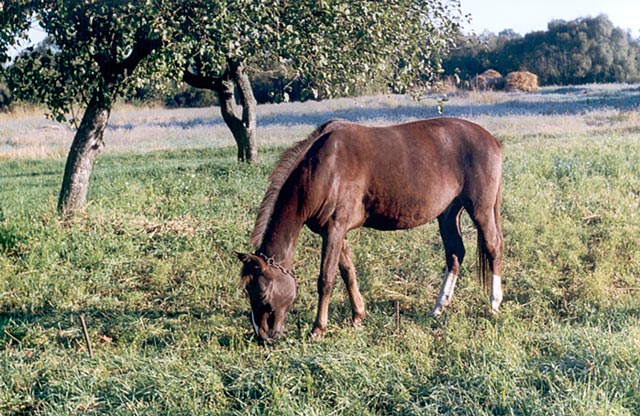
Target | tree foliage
(93,49)
(335,46)
(583,50)
(330,47)
(97,51)
(339,46)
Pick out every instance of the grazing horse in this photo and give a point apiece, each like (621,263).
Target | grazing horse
(344,176)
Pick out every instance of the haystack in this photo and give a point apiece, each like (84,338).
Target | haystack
(521,81)
(488,80)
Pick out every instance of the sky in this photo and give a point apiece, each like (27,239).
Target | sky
(533,15)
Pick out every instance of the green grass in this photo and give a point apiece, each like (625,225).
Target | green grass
(151,269)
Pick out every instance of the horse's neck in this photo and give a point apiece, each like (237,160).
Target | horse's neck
(280,238)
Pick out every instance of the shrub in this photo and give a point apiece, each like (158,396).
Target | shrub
(187,96)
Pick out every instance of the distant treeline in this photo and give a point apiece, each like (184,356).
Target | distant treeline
(585,50)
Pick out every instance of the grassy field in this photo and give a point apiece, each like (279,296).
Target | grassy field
(150,269)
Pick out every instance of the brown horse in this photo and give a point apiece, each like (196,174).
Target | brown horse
(345,176)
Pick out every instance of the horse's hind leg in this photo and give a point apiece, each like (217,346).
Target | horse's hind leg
(490,248)
(348,273)
(449,224)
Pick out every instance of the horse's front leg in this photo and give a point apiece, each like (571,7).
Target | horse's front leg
(331,249)
(348,272)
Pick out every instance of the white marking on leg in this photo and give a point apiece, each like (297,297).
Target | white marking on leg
(496,292)
(446,293)
(255,327)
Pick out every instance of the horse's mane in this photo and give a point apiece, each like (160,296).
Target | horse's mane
(289,160)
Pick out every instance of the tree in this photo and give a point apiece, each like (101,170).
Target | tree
(96,53)
(333,46)
(581,51)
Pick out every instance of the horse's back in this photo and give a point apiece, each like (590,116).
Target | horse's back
(428,139)
(427,151)
(437,137)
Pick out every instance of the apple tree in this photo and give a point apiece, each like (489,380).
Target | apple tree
(334,46)
(97,51)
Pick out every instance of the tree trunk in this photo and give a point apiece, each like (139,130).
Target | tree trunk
(246,135)
(241,119)
(87,145)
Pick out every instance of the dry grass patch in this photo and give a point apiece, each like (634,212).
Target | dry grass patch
(185,226)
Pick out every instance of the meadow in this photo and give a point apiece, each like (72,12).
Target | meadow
(149,268)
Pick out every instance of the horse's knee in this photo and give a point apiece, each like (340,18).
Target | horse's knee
(326,284)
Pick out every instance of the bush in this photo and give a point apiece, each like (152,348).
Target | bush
(187,96)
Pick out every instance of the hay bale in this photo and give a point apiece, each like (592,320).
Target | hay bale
(488,80)
(521,81)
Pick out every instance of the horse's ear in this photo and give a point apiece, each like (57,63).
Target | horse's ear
(243,257)
(251,260)
(252,267)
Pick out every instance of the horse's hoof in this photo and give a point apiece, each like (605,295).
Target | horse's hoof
(436,312)
(316,333)
(356,321)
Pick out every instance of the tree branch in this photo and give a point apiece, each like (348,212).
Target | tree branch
(142,48)
(201,81)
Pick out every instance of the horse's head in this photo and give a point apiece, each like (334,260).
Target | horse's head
(271,291)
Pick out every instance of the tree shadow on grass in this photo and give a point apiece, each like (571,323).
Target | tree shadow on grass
(559,101)
(144,329)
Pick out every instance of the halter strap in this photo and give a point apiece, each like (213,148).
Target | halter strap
(272,262)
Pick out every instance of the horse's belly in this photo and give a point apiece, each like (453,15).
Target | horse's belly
(396,214)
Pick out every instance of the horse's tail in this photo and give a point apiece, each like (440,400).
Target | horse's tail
(484,257)
(484,269)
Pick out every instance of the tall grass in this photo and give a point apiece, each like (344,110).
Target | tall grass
(150,268)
